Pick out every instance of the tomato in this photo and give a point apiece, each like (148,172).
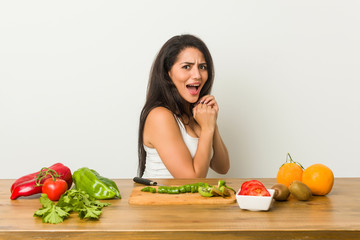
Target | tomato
(249,184)
(257,190)
(253,188)
(54,189)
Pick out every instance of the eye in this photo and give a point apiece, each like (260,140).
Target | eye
(203,66)
(186,67)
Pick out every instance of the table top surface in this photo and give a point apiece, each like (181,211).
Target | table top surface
(336,212)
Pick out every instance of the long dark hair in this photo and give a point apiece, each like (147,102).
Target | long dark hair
(161,90)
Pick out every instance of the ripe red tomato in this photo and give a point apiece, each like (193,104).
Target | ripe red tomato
(253,188)
(258,191)
(251,182)
(248,184)
(54,189)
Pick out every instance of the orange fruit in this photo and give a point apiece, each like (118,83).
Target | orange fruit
(319,178)
(289,172)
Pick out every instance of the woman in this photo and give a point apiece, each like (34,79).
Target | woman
(178,134)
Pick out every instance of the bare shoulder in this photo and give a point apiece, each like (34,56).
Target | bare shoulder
(160,124)
(160,115)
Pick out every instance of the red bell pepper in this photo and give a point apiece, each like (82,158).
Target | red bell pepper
(30,184)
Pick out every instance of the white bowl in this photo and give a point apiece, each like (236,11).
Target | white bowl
(255,203)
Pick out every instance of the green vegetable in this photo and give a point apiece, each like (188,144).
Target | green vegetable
(149,189)
(162,189)
(173,190)
(50,213)
(204,189)
(95,185)
(182,189)
(71,201)
(220,190)
(223,183)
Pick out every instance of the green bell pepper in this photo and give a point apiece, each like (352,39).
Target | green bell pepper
(95,185)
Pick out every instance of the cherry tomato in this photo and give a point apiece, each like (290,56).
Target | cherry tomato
(54,189)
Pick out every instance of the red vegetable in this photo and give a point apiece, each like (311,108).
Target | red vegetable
(253,188)
(257,191)
(54,188)
(246,185)
(32,183)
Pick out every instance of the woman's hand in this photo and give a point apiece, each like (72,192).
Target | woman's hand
(205,112)
(210,101)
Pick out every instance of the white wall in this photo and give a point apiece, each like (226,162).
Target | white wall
(73,78)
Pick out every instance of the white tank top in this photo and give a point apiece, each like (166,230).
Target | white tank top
(155,167)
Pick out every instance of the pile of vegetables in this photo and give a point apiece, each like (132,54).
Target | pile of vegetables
(55,182)
(204,189)
(33,183)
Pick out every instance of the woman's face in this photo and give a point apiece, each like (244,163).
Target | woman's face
(189,73)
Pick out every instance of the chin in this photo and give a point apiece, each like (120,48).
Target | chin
(192,99)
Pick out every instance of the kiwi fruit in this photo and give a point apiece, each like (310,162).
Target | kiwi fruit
(222,191)
(281,192)
(300,190)
(216,192)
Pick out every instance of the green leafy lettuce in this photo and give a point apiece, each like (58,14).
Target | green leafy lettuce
(71,201)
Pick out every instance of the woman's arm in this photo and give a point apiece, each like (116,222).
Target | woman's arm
(220,162)
(162,132)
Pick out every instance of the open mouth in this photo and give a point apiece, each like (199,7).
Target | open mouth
(193,88)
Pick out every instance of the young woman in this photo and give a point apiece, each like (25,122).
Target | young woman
(178,133)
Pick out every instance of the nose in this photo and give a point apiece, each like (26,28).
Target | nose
(195,73)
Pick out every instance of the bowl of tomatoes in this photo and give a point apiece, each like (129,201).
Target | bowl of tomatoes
(254,196)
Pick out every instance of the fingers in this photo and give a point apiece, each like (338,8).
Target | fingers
(204,108)
(209,100)
(206,99)
(205,116)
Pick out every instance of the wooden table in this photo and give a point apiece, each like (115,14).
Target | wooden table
(335,216)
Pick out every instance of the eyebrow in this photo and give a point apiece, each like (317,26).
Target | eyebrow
(191,63)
